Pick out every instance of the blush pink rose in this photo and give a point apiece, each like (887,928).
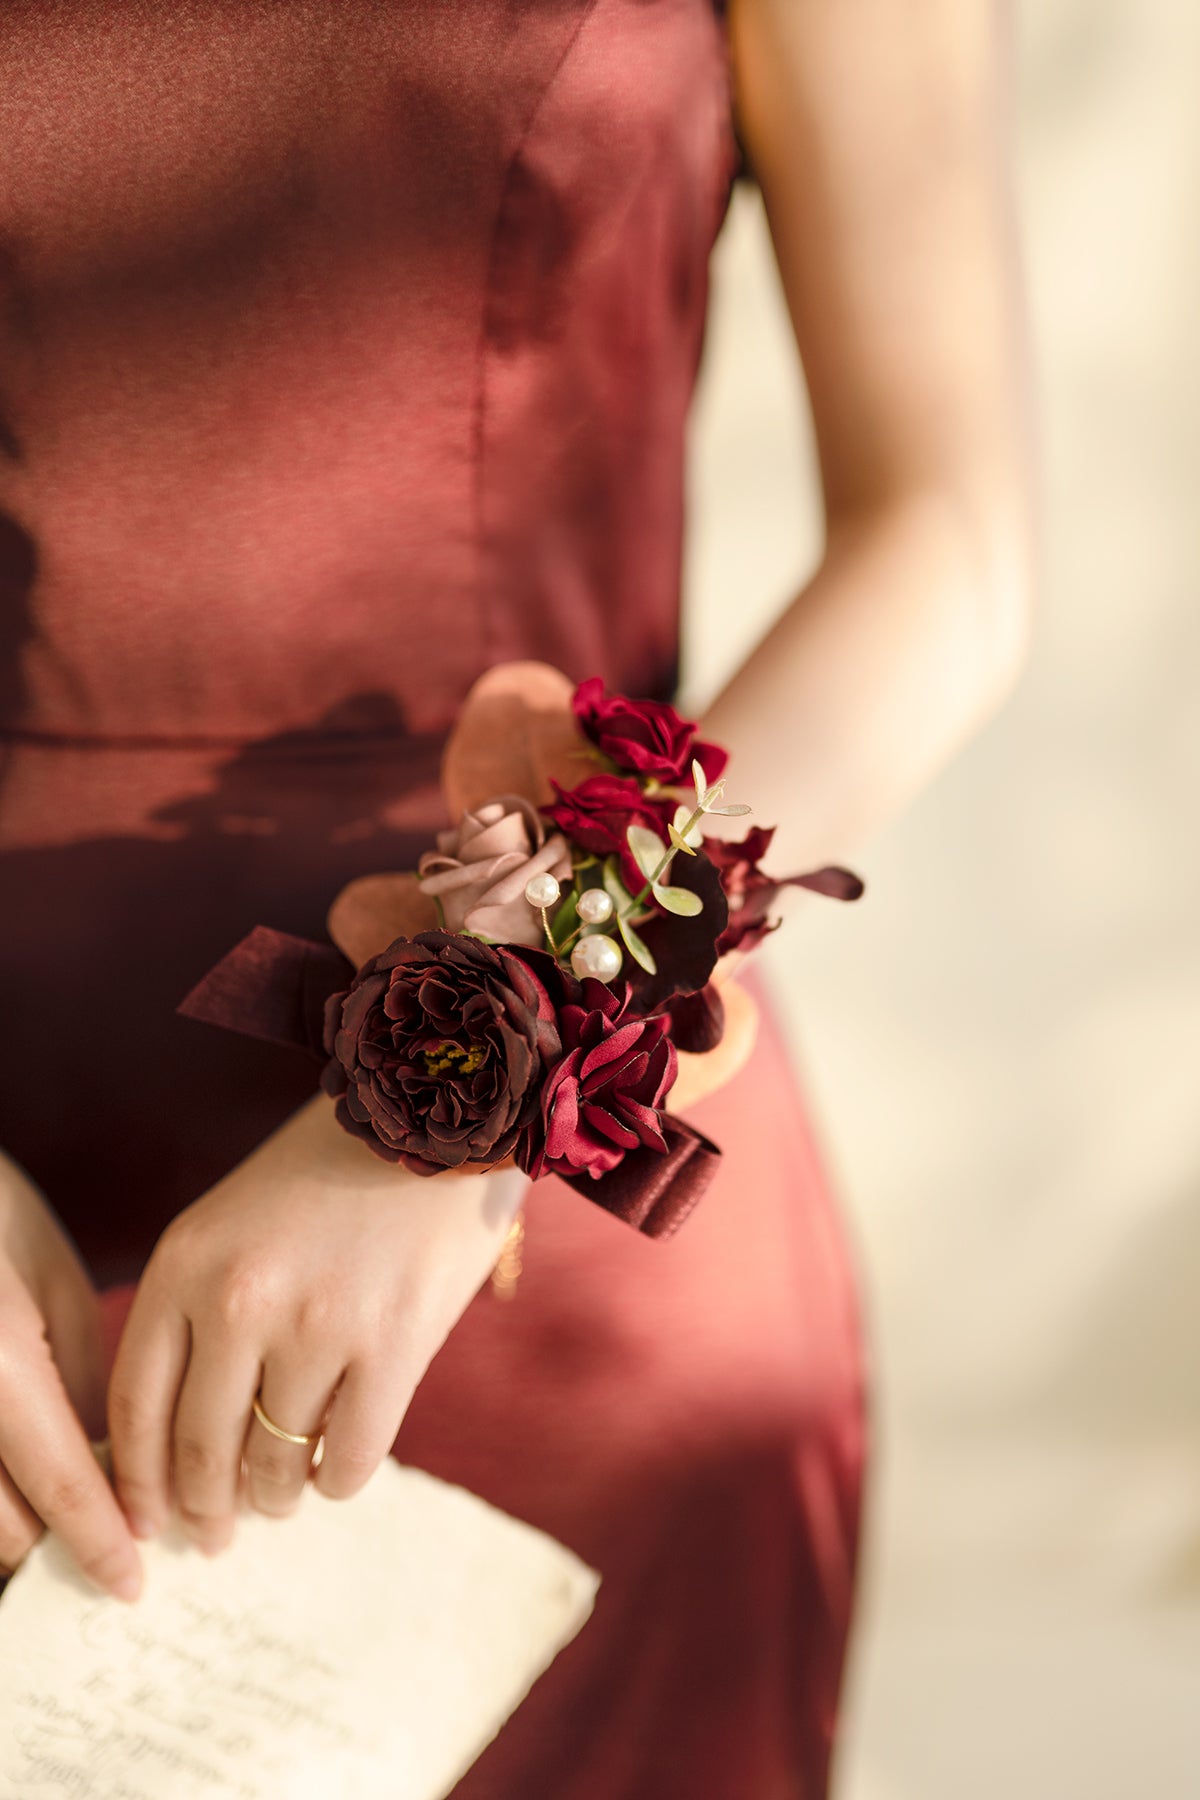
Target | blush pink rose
(479,870)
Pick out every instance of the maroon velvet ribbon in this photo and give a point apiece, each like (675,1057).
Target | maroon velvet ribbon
(651,1191)
(274,986)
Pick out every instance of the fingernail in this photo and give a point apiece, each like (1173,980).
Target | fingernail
(127,1586)
(212,1543)
(142,1528)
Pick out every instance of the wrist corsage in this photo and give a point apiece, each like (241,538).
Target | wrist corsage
(554,969)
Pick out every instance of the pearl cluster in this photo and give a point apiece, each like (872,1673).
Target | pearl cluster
(595,954)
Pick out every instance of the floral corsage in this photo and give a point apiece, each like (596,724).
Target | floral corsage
(555,967)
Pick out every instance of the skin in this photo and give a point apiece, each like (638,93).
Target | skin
(877,132)
(52,1397)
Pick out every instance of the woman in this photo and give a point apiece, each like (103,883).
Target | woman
(346,352)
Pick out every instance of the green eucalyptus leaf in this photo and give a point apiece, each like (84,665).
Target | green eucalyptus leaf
(680,901)
(566,918)
(701,782)
(729,812)
(679,841)
(617,892)
(636,947)
(647,848)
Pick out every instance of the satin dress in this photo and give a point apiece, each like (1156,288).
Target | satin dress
(345,351)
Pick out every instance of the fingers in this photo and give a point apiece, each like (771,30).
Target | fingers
(210,1429)
(362,1427)
(147,1370)
(47,1457)
(297,1399)
(72,1314)
(20,1527)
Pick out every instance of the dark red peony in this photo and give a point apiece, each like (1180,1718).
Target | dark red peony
(645,736)
(598,813)
(438,1051)
(603,1097)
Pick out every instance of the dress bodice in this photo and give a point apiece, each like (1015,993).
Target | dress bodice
(344,350)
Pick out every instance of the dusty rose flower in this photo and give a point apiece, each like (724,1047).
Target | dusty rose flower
(479,870)
(597,814)
(438,1051)
(645,736)
(603,1096)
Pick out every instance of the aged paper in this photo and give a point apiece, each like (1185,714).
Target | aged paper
(366,1649)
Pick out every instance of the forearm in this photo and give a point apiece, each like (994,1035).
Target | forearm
(908,637)
(880,136)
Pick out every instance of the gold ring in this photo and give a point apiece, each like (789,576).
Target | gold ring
(289,1437)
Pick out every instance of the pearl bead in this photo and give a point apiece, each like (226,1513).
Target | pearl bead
(595,906)
(599,957)
(542,890)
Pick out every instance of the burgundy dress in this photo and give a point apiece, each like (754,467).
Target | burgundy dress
(345,350)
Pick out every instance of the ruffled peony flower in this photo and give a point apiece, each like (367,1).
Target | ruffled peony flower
(597,814)
(438,1051)
(602,1098)
(479,870)
(645,736)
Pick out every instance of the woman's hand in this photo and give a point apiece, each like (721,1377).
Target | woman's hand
(52,1398)
(315,1275)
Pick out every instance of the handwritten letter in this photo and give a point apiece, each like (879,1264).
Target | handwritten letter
(364,1648)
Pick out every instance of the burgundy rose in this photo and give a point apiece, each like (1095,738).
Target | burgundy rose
(751,892)
(603,1097)
(646,736)
(597,814)
(438,1051)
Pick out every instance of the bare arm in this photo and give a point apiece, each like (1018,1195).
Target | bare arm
(877,130)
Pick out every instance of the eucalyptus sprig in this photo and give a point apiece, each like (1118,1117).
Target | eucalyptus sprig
(705,796)
(653,861)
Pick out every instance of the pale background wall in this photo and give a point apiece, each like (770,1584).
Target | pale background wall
(1002,1041)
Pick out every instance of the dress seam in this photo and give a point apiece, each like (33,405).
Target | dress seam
(485,609)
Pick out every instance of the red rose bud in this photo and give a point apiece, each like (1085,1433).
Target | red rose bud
(647,737)
(602,1099)
(597,814)
(438,1052)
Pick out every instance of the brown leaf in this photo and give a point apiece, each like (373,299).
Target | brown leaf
(370,913)
(516,729)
